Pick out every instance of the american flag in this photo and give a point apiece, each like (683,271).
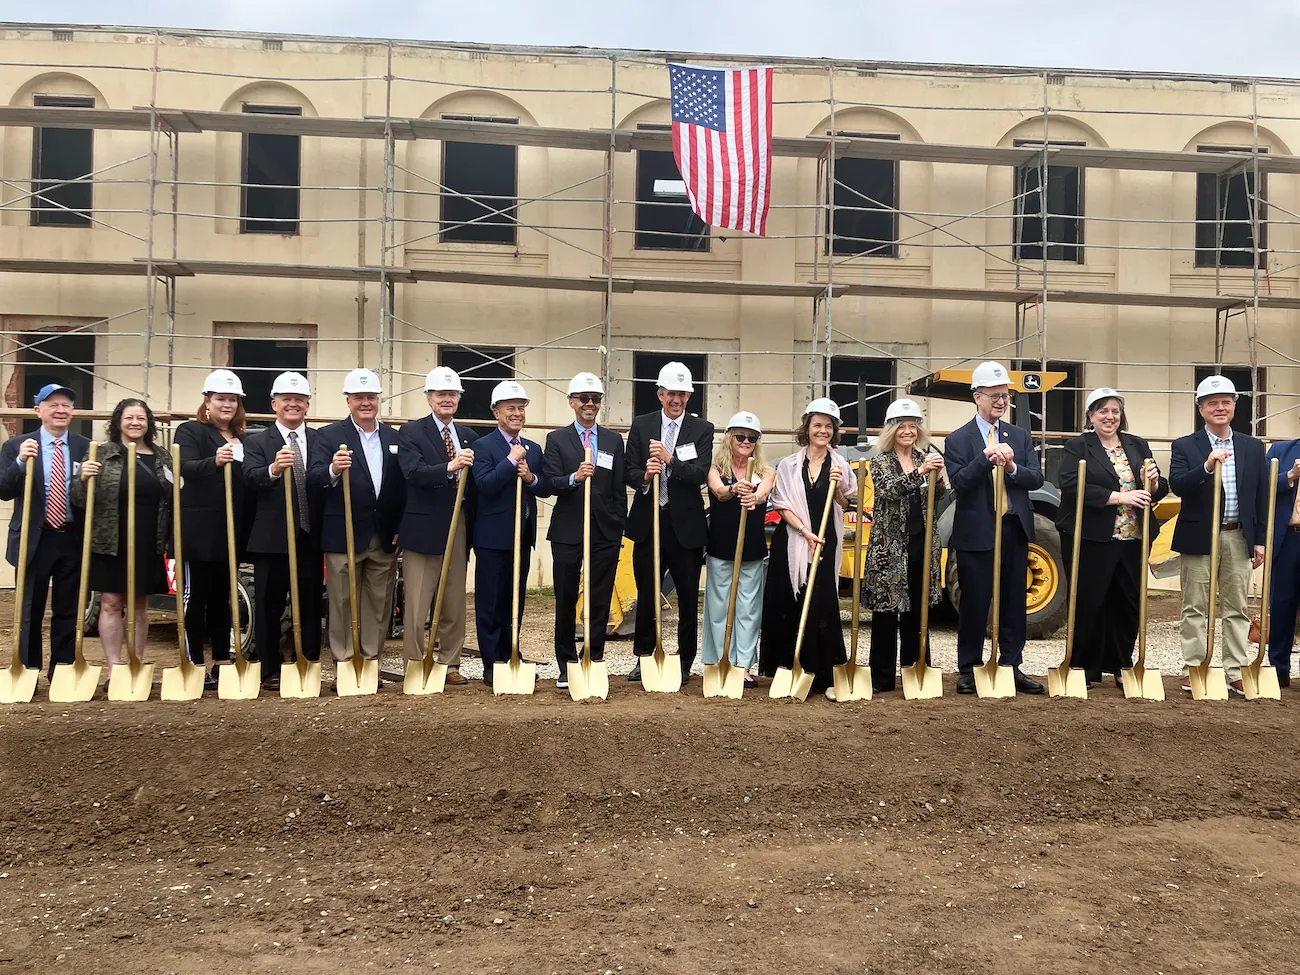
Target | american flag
(722,141)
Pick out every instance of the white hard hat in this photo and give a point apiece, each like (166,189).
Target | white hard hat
(361,381)
(676,377)
(1215,386)
(824,405)
(223,381)
(1100,395)
(989,374)
(290,382)
(903,409)
(442,379)
(744,420)
(586,382)
(508,389)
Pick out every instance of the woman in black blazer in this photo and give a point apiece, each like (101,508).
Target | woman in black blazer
(209,443)
(1110,554)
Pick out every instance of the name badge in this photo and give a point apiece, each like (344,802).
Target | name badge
(76,468)
(392,448)
(237,451)
(167,473)
(687,451)
(605,459)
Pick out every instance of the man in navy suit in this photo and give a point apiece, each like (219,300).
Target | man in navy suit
(1284,595)
(970,454)
(503,458)
(1242,516)
(435,452)
(55,526)
(369,449)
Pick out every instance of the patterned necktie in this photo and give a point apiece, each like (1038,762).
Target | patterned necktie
(670,444)
(56,510)
(299,482)
(450,447)
(586,439)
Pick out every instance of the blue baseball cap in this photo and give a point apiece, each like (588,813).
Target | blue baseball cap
(49,389)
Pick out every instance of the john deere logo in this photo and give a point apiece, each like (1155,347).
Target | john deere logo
(1032,381)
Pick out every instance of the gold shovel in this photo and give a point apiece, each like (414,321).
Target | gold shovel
(919,680)
(303,678)
(1067,681)
(133,680)
(794,681)
(78,681)
(1209,683)
(724,679)
(847,685)
(184,682)
(1139,682)
(18,683)
(657,673)
(358,675)
(517,676)
(426,675)
(239,679)
(1258,679)
(587,678)
(992,680)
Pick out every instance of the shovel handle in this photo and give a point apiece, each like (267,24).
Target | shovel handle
(927,561)
(796,666)
(586,562)
(292,536)
(20,581)
(83,587)
(351,542)
(130,553)
(1268,564)
(1144,574)
(1216,519)
(514,578)
(999,506)
(442,572)
(659,597)
(232,559)
(855,612)
(736,563)
(178,556)
(1074,568)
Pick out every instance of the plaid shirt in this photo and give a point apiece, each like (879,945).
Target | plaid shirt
(1231,507)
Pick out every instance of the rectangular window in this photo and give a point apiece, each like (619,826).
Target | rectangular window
(1063,410)
(272,178)
(865,203)
(258,361)
(68,360)
(880,377)
(58,157)
(1064,211)
(1249,403)
(664,218)
(645,369)
(480,368)
(480,187)
(1224,229)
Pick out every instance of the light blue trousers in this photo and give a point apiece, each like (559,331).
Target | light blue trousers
(749,611)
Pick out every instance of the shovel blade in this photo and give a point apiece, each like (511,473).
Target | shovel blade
(1143,684)
(239,680)
(300,679)
(851,685)
(728,683)
(1067,682)
(18,684)
(73,683)
(921,683)
(514,678)
(183,683)
(1209,684)
(993,681)
(1260,683)
(422,678)
(781,684)
(130,683)
(801,685)
(661,674)
(349,683)
(589,680)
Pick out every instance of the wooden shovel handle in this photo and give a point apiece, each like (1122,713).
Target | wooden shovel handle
(796,665)
(1268,564)
(1074,567)
(446,567)
(351,543)
(292,536)
(736,563)
(83,588)
(586,562)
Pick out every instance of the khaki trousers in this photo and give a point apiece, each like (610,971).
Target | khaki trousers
(1234,581)
(376,573)
(420,578)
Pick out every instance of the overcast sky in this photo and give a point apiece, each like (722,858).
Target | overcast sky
(1154,35)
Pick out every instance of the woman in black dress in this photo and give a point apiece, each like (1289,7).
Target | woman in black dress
(209,443)
(803,481)
(132,422)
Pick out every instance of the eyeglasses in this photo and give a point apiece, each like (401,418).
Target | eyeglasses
(586,399)
(745,437)
(997,397)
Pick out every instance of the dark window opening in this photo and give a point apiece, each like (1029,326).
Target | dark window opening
(1249,404)
(865,199)
(258,361)
(1224,217)
(480,187)
(50,357)
(480,368)
(645,369)
(664,218)
(59,157)
(1063,409)
(880,376)
(272,178)
(1064,211)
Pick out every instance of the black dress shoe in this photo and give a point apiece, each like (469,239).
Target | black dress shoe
(1027,685)
(1283,680)
(636,671)
(965,682)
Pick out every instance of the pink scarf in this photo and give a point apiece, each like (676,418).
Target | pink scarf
(789,495)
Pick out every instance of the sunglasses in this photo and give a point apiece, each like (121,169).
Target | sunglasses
(745,437)
(586,399)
